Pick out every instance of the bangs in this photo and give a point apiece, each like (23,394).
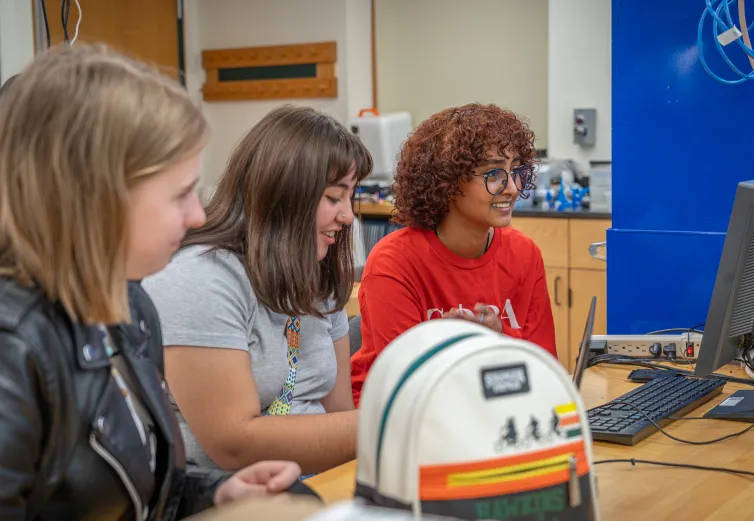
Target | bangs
(497,140)
(350,154)
(477,130)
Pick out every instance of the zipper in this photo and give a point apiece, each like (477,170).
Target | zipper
(515,472)
(574,486)
(140,511)
(500,479)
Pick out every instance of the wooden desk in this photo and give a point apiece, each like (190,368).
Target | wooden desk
(373,209)
(652,492)
(352,307)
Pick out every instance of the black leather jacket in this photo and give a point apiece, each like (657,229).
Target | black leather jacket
(66,448)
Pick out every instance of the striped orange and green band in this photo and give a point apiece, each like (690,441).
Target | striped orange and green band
(500,476)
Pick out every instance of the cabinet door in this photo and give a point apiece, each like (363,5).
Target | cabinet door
(557,287)
(147,29)
(550,234)
(582,233)
(584,285)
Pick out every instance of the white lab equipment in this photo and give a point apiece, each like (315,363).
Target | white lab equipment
(601,186)
(383,135)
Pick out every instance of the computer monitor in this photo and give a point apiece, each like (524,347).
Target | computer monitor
(584,346)
(731,308)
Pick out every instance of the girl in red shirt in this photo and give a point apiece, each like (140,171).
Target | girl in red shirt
(458,177)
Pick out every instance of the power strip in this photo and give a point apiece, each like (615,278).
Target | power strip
(640,345)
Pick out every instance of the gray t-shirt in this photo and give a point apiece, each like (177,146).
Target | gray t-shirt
(205,299)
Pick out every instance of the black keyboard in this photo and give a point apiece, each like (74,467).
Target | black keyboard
(659,399)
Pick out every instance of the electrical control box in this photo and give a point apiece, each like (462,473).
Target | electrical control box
(585,127)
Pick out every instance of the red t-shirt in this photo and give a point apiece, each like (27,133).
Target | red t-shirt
(410,277)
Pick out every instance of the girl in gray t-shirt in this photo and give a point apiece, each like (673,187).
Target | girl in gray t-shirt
(252,306)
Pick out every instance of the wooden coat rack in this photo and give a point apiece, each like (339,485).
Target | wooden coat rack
(273,72)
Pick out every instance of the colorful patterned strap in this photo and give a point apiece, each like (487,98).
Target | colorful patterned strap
(282,403)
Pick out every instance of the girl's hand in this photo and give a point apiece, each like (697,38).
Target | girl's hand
(264,477)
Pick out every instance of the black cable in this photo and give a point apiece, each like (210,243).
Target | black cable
(747,346)
(600,359)
(680,440)
(634,461)
(676,330)
(651,363)
(65,11)
(43,7)
(746,360)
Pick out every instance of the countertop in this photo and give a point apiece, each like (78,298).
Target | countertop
(566,214)
(384,210)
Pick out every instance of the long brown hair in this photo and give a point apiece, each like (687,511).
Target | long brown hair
(79,127)
(264,207)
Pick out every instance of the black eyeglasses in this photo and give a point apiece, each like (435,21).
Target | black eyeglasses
(496,180)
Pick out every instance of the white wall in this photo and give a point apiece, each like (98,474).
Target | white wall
(16,36)
(220,24)
(579,76)
(358,55)
(572,61)
(436,54)
(578,62)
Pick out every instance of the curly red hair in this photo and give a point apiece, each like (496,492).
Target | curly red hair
(444,151)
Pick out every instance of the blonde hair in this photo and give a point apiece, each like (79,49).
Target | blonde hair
(78,128)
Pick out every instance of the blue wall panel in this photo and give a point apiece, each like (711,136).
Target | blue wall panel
(681,143)
(659,279)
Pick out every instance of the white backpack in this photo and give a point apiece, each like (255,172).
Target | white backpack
(457,420)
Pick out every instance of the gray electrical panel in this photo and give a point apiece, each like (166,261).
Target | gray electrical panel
(585,127)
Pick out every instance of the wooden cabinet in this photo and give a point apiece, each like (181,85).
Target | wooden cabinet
(581,234)
(145,29)
(586,284)
(557,287)
(550,234)
(573,276)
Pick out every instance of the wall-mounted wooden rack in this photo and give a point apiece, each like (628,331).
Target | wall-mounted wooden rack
(272,72)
